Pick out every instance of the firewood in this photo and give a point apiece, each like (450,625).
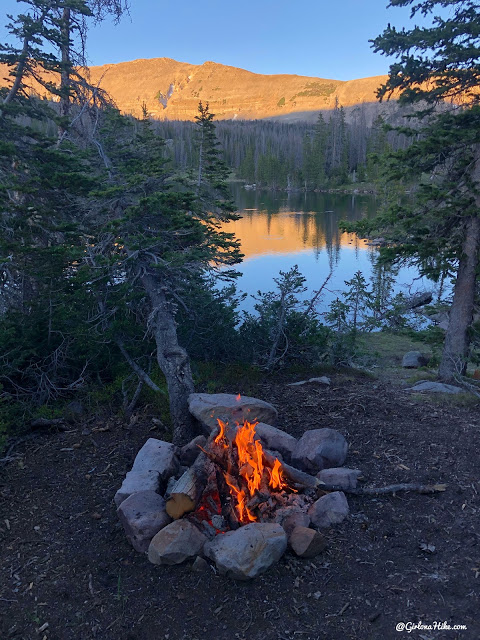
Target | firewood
(187,491)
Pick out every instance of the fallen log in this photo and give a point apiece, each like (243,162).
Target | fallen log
(296,476)
(186,492)
(392,488)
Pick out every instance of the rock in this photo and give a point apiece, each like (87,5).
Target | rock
(135,483)
(307,543)
(159,456)
(276,439)
(435,387)
(294,519)
(176,543)
(200,565)
(321,380)
(414,359)
(329,509)
(340,477)
(248,551)
(189,453)
(142,515)
(208,407)
(320,449)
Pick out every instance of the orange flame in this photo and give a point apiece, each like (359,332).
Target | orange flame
(221,434)
(254,475)
(276,481)
(238,398)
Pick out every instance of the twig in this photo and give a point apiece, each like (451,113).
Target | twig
(392,488)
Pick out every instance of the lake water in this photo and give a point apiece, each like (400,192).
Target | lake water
(279,230)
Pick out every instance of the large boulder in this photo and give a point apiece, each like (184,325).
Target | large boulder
(414,359)
(248,551)
(320,449)
(207,407)
(340,477)
(276,439)
(176,543)
(329,509)
(142,516)
(136,483)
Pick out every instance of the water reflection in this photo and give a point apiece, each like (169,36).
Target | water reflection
(279,230)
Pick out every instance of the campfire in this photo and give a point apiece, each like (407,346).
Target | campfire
(238,495)
(234,481)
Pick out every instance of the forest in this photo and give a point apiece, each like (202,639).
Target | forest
(122,332)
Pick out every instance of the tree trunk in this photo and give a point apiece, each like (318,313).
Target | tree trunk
(455,349)
(173,360)
(65,68)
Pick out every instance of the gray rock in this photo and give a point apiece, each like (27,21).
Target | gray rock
(414,359)
(176,543)
(248,551)
(307,543)
(189,453)
(340,477)
(276,439)
(157,455)
(320,449)
(208,407)
(435,387)
(329,509)
(142,516)
(200,565)
(135,483)
(292,518)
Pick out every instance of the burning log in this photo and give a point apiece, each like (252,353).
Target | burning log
(186,492)
(296,476)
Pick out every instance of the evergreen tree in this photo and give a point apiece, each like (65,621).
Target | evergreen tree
(438,70)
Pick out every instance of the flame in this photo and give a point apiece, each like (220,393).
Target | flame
(238,398)
(276,481)
(221,434)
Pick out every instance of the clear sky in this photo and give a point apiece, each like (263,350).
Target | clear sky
(324,38)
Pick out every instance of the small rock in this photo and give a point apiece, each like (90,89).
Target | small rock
(176,543)
(189,453)
(320,449)
(435,387)
(340,477)
(142,516)
(248,551)
(208,407)
(329,509)
(307,543)
(296,519)
(414,359)
(276,439)
(200,565)
(135,482)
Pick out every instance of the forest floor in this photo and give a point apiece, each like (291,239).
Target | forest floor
(67,571)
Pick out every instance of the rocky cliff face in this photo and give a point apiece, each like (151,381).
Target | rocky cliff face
(171,90)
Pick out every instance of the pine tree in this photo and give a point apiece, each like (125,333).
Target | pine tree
(438,71)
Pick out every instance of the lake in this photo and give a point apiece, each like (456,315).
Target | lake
(278,230)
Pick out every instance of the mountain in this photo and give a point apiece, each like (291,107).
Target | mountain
(171,90)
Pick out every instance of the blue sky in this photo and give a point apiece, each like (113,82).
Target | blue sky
(321,38)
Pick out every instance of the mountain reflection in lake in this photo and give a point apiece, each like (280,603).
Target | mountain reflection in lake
(278,230)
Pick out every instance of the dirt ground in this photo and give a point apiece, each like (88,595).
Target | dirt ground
(67,571)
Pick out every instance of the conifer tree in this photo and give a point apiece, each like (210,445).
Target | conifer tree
(437,72)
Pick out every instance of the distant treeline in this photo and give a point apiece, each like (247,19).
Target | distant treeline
(279,155)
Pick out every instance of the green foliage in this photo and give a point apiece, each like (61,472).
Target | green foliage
(282,333)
